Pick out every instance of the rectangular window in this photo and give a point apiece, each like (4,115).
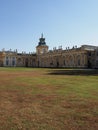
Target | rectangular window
(7,62)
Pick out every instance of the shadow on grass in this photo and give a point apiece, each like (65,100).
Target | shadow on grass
(83,72)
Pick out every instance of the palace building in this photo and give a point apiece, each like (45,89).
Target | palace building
(85,56)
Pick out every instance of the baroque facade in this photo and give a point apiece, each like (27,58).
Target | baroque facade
(85,56)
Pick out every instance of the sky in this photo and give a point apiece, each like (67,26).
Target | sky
(63,23)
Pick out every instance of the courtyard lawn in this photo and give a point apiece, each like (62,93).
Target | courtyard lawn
(48,99)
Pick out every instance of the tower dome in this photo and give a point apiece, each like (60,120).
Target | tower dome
(42,47)
(42,40)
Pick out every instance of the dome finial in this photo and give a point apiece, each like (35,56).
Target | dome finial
(42,35)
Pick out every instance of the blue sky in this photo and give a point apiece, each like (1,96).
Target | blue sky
(63,22)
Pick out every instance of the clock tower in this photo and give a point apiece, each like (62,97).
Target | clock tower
(42,47)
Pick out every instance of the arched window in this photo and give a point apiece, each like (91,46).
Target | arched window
(13,61)
(71,61)
(64,62)
(78,60)
(7,61)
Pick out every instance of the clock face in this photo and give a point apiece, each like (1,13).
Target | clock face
(43,50)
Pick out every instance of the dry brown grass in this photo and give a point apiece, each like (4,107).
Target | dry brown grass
(32,100)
